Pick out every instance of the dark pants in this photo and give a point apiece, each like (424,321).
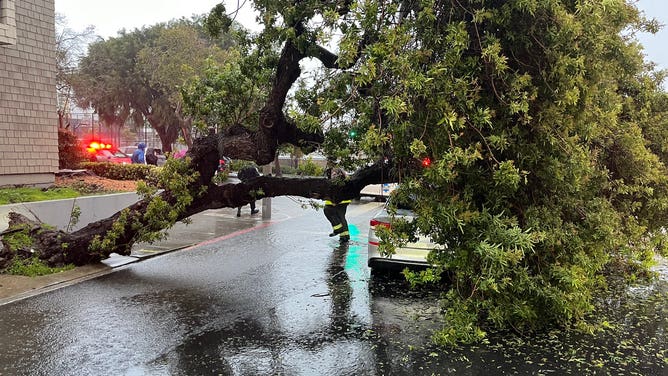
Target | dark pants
(252,205)
(336,215)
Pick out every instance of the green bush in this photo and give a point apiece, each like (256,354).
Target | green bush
(70,151)
(238,164)
(119,171)
(308,168)
(286,170)
(220,177)
(152,178)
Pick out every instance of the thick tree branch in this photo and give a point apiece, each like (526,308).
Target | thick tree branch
(59,248)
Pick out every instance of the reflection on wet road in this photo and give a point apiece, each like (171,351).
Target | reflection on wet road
(280,299)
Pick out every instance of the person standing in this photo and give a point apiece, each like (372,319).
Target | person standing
(138,155)
(244,175)
(335,212)
(150,157)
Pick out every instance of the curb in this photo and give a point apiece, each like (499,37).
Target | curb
(68,281)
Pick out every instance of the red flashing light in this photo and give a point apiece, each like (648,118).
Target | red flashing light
(95,146)
(426,162)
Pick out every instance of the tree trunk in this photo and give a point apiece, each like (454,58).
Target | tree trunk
(168,134)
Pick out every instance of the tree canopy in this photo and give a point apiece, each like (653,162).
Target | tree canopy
(544,125)
(139,75)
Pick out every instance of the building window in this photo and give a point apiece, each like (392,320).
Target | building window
(7,22)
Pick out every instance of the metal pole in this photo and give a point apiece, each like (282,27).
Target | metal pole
(266,202)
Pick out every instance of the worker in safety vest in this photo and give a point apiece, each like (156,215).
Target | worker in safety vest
(335,212)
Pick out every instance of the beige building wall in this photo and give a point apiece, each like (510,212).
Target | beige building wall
(28,118)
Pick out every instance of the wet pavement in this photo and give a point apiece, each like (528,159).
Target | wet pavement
(278,297)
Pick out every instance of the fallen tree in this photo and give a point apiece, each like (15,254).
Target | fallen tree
(544,127)
(147,219)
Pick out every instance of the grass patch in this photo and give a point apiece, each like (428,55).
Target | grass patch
(34,267)
(19,239)
(28,194)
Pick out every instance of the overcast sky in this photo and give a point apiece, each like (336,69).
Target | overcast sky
(109,17)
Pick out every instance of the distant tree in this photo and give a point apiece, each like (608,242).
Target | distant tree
(139,74)
(70,47)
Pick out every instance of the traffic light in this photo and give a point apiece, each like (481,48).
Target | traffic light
(352,133)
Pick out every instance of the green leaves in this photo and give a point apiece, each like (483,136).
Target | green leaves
(545,130)
(224,95)
(547,166)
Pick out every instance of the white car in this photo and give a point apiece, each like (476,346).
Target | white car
(411,254)
(378,191)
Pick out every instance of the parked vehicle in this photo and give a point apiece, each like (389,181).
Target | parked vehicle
(99,151)
(411,254)
(378,191)
(105,155)
(224,165)
(128,149)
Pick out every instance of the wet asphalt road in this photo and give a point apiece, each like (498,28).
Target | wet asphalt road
(275,297)
(279,297)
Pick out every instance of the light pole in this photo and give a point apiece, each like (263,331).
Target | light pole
(266,202)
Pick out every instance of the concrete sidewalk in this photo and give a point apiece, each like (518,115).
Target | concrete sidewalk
(204,226)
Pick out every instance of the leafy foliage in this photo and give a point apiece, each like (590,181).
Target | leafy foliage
(138,75)
(33,267)
(118,171)
(309,168)
(544,126)
(177,177)
(238,164)
(223,96)
(542,180)
(18,257)
(70,151)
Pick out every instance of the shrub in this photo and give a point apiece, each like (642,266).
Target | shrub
(119,171)
(308,168)
(70,150)
(238,164)
(286,170)
(220,177)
